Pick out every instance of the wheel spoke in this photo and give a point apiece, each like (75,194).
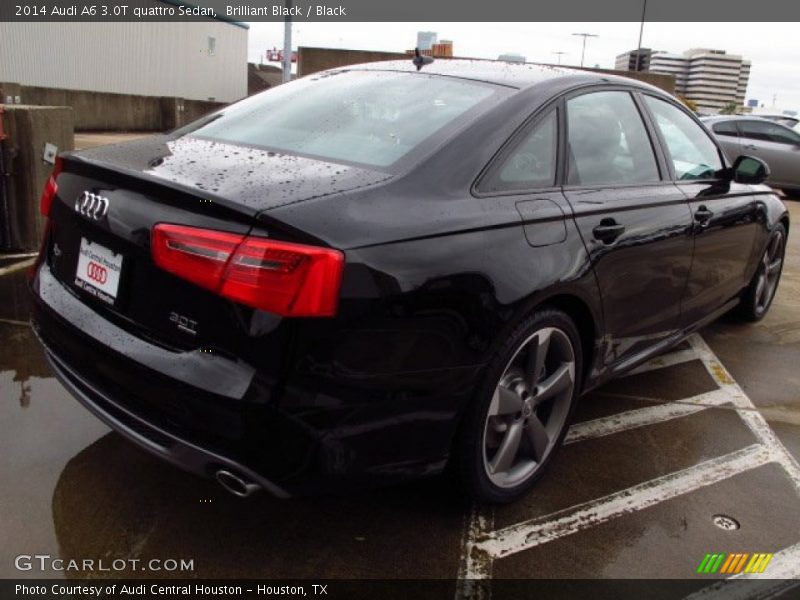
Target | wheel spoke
(760,287)
(774,246)
(507,451)
(537,354)
(775,266)
(538,437)
(506,402)
(559,381)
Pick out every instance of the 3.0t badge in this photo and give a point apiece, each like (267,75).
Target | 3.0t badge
(92,206)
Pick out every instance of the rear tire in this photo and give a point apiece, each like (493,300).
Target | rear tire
(522,410)
(758,296)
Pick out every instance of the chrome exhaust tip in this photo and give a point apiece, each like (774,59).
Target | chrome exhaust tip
(235,484)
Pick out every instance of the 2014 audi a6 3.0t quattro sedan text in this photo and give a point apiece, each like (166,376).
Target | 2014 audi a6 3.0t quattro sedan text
(378,271)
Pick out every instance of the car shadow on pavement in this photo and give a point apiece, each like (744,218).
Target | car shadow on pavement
(114,501)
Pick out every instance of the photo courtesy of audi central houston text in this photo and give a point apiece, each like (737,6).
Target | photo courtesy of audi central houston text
(300,293)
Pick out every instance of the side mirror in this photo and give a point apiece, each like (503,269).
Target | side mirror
(749,169)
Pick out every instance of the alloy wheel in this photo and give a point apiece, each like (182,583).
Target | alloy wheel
(769,271)
(529,408)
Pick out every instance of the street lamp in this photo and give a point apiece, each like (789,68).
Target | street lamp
(584,36)
(287,44)
(559,53)
(641,31)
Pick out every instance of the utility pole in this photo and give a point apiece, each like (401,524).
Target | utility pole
(584,36)
(641,31)
(559,53)
(287,44)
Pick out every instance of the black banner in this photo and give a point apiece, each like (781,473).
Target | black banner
(499,589)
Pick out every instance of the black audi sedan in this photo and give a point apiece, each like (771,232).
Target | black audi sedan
(377,272)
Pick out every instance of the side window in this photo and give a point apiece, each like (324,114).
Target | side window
(694,154)
(607,141)
(726,128)
(783,136)
(756,130)
(532,163)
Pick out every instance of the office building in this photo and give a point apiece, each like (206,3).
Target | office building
(712,79)
(635,60)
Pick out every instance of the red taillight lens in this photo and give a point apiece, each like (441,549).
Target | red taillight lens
(50,189)
(197,255)
(281,277)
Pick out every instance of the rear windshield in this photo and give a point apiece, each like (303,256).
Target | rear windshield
(368,117)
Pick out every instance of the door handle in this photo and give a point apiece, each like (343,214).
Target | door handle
(702,215)
(608,231)
(750,147)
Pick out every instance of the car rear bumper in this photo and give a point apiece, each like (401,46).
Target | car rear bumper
(192,410)
(163,444)
(304,435)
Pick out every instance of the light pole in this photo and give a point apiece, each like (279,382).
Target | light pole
(641,31)
(559,53)
(287,44)
(584,36)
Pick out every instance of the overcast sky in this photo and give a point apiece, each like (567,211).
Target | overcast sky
(773,48)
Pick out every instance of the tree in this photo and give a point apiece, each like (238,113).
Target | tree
(690,104)
(729,109)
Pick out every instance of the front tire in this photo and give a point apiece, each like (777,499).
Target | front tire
(758,295)
(522,410)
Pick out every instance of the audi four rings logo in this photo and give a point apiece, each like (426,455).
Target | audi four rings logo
(96,272)
(91,205)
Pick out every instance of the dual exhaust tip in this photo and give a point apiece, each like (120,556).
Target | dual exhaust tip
(236,484)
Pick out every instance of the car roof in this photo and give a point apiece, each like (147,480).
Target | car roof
(717,118)
(515,75)
(723,118)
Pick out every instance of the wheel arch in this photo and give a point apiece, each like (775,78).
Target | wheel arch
(580,313)
(586,314)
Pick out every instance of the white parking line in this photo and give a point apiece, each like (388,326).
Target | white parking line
(474,567)
(482,545)
(529,534)
(644,416)
(754,420)
(664,361)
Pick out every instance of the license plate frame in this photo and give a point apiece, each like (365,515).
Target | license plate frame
(99,271)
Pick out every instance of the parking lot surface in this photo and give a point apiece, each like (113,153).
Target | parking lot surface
(696,452)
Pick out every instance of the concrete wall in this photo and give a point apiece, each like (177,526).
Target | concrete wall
(102,111)
(28,129)
(665,82)
(311,60)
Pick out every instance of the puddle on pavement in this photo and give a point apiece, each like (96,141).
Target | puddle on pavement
(41,428)
(14,296)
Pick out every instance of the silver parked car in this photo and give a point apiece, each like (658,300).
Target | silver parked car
(775,144)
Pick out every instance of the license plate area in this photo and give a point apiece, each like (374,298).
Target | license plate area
(98,271)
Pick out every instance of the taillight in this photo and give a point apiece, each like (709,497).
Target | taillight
(50,189)
(280,277)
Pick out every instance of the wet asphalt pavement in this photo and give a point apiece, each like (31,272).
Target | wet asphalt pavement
(653,458)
